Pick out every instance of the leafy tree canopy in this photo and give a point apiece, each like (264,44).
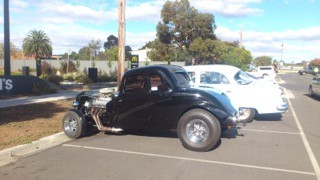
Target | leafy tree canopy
(315,62)
(14,51)
(181,23)
(262,61)
(111,42)
(84,53)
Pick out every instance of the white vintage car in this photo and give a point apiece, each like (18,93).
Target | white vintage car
(248,95)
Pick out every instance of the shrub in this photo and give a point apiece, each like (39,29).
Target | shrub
(47,69)
(64,65)
(55,79)
(83,79)
(104,78)
(85,71)
(68,77)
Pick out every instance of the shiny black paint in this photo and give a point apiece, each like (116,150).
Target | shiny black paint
(161,110)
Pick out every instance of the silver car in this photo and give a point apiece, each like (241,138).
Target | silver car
(314,88)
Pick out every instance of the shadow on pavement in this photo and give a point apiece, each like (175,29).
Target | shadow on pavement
(315,97)
(268,117)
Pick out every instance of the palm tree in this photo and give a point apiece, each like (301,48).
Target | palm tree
(38,45)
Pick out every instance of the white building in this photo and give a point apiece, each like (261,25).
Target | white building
(142,54)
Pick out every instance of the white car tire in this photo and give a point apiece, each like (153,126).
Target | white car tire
(247,115)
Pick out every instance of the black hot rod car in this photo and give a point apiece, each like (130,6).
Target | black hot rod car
(155,97)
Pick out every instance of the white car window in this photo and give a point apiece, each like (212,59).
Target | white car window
(213,78)
(192,76)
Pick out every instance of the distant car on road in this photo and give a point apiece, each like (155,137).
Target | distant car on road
(264,72)
(308,70)
(314,88)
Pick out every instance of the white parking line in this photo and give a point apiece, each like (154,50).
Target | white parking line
(306,143)
(267,131)
(288,94)
(191,159)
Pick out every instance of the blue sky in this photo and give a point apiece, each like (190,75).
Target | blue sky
(266,24)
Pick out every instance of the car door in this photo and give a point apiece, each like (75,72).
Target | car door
(133,103)
(160,101)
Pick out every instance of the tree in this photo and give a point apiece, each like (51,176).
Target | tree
(73,56)
(94,46)
(15,52)
(111,42)
(238,57)
(315,62)
(160,51)
(202,51)
(180,25)
(38,45)
(111,54)
(262,61)
(84,53)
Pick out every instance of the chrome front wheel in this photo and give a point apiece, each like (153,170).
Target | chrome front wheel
(74,124)
(197,131)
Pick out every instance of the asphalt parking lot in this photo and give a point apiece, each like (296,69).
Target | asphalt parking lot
(271,147)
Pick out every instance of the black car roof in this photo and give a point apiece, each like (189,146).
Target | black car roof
(166,67)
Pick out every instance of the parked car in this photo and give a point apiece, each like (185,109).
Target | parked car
(264,83)
(308,70)
(246,94)
(264,72)
(155,97)
(314,88)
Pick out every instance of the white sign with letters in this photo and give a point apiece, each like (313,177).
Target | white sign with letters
(5,84)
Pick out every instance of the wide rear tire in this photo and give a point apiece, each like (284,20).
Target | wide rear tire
(199,130)
(74,124)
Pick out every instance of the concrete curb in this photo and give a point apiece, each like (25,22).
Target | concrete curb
(12,154)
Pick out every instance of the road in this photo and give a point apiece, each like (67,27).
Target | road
(271,147)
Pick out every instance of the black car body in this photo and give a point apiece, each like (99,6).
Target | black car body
(156,97)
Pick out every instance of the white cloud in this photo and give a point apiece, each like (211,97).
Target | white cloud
(144,11)
(228,8)
(72,24)
(298,45)
(136,41)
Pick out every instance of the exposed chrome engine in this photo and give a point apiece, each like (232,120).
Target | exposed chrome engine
(94,105)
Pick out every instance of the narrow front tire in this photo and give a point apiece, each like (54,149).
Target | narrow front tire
(74,124)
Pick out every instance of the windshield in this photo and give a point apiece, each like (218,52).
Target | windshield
(242,78)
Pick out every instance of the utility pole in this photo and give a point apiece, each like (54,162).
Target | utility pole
(281,50)
(7,68)
(240,44)
(121,38)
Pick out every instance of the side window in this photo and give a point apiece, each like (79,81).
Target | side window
(192,76)
(213,78)
(156,81)
(224,79)
(135,83)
